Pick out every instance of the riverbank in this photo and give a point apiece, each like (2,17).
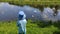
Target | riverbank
(32,28)
(32,2)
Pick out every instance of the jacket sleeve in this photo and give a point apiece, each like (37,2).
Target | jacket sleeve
(18,24)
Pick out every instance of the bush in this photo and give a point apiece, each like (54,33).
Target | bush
(57,24)
(42,23)
(56,32)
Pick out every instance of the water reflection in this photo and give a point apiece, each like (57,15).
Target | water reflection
(10,12)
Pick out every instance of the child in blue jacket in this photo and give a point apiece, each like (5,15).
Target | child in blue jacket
(21,23)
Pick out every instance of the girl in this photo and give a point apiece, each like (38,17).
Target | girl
(21,23)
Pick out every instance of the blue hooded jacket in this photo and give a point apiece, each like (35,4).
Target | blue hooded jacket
(22,22)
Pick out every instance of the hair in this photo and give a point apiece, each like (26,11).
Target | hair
(20,17)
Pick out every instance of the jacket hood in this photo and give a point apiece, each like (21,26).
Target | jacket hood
(22,13)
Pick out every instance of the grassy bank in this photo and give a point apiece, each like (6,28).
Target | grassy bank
(33,2)
(32,28)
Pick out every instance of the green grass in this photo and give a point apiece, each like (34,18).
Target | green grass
(35,2)
(11,28)
(32,28)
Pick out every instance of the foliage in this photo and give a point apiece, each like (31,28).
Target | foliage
(32,28)
(33,2)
